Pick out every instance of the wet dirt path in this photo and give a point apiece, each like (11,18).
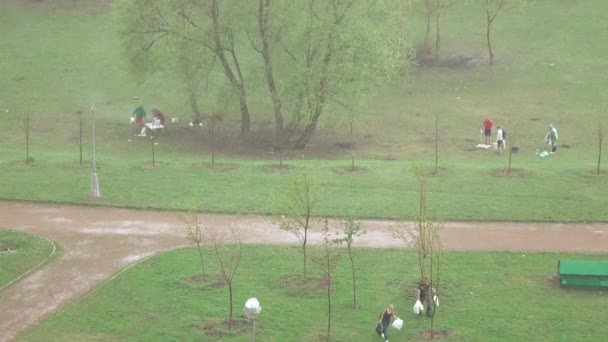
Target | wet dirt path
(98,242)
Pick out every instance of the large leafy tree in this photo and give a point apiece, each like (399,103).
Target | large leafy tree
(190,39)
(319,53)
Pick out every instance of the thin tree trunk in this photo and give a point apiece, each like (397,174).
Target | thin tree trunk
(80,137)
(352,266)
(427,33)
(352,146)
(152,145)
(195,109)
(437,32)
(27,136)
(600,135)
(436,143)
(237,84)
(230,294)
(489,43)
(200,254)
(328,294)
(264,8)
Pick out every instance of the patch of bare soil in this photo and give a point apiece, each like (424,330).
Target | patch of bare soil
(454,60)
(514,173)
(298,285)
(211,280)
(224,328)
(341,170)
(436,335)
(277,168)
(220,167)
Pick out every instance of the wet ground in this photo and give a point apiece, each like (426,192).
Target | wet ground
(97,242)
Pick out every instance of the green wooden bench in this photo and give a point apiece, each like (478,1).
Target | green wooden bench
(583,273)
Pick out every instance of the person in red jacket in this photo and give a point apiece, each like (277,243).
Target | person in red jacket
(487,129)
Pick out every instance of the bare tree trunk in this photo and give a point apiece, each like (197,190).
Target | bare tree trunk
(264,8)
(26,126)
(437,31)
(489,43)
(194,106)
(322,93)
(230,294)
(427,33)
(436,142)
(238,84)
(511,148)
(152,145)
(489,20)
(352,266)
(328,294)
(600,140)
(80,134)
(352,146)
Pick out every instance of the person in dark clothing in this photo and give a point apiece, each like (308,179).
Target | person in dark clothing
(385,321)
(425,296)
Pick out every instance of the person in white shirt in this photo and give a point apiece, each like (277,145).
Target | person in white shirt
(500,141)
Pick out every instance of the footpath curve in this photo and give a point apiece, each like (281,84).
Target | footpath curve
(97,242)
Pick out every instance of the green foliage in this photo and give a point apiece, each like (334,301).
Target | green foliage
(299,205)
(485,295)
(78,63)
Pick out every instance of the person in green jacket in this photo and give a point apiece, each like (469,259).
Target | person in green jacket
(139,114)
(551,138)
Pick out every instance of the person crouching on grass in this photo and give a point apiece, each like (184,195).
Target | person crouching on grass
(385,321)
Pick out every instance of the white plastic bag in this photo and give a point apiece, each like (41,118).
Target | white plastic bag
(398,324)
(436,300)
(418,308)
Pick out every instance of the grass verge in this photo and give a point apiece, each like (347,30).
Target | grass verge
(19,253)
(484,296)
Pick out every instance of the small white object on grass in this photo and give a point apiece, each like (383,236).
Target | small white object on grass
(398,324)
(418,307)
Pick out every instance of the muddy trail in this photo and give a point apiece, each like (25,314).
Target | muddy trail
(97,242)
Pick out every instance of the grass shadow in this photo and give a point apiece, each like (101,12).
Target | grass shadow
(277,168)
(220,167)
(514,173)
(593,173)
(205,280)
(343,170)
(299,286)
(218,329)
(437,335)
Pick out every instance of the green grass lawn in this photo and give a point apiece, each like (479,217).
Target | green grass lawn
(61,59)
(483,297)
(26,252)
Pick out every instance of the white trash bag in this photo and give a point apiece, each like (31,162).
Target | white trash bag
(418,307)
(398,324)
(436,300)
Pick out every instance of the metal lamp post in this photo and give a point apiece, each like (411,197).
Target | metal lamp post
(94,182)
(252,310)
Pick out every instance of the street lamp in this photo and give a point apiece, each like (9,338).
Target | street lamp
(94,183)
(252,310)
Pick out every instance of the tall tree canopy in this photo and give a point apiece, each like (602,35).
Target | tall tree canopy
(316,55)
